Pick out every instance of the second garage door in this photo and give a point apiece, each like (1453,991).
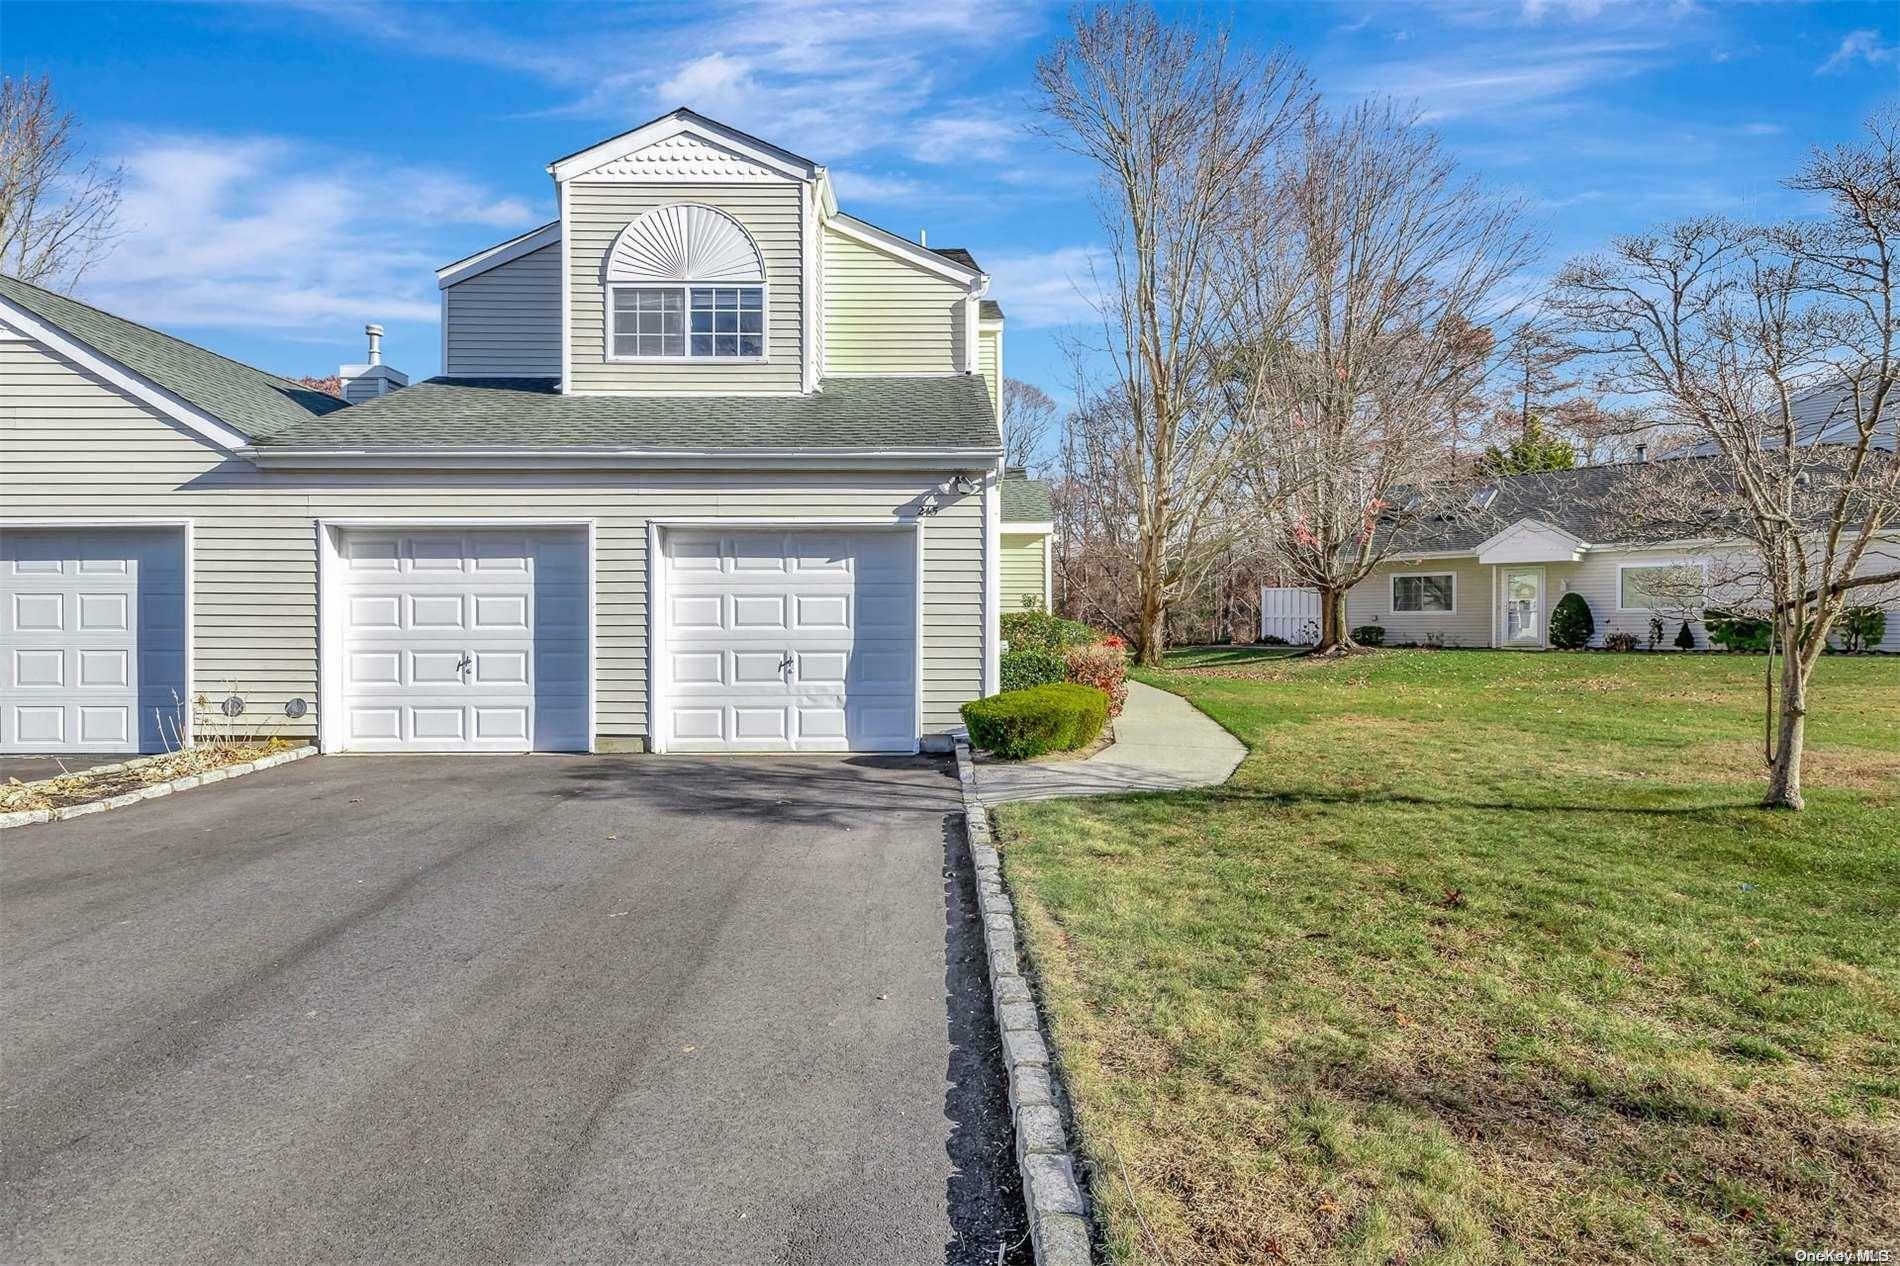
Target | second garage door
(789,641)
(464,641)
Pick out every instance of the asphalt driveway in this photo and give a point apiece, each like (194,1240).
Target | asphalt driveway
(419,1009)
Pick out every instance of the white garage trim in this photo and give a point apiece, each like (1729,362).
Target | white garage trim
(330,701)
(187,527)
(657,732)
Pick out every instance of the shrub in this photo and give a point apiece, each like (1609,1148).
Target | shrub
(1655,631)
(1102,666)
(1685,639)
(1571,624)
(1862,628)
(1620,641)
(1737,632)
(1038,630)
(1023,669)
(1023,723)
(1369,635)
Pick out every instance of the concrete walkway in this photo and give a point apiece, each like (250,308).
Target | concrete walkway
(1162,743)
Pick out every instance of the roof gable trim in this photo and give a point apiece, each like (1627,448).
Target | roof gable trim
(1531,541)
(683,122)
(908,251)
(495,256)
(126,379)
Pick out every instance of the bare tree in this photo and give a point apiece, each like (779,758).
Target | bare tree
(1029,422)
(1758,342)
(1363,295)
(57,207)
(1176,122)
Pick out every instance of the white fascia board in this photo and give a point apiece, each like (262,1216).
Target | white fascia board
(1027,528)
(1427,555)
(124,377)
(496,256)
(437,458)
(922,256)
(767,155)
(1538,526)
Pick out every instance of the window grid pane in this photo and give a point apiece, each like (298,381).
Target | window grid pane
(722,321)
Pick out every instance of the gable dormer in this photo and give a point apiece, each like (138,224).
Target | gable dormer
(686,263)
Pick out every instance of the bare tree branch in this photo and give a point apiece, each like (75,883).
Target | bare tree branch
(57,208)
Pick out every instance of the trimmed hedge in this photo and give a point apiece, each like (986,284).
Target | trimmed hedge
(1041,631)
(1022,669)
(1571,624)
(1369,635)
(1734,632)
(1022,723)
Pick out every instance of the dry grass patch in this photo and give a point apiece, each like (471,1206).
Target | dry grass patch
(85,786)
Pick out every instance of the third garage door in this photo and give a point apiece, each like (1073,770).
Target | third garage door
(789,641)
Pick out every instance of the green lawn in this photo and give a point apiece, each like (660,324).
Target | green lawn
(1485,957)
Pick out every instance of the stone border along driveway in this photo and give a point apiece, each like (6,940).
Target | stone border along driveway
(1058,1222)
(30,817)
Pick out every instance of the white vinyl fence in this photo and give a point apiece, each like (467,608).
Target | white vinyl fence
(1292,615)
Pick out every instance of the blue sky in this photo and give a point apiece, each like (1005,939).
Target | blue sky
(293,171)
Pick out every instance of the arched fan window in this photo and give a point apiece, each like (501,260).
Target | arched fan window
(685,282)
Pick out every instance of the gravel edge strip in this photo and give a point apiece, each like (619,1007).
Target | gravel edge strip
(1058,1223)
(32,817)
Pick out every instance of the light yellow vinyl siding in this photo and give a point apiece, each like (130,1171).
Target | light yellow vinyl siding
(1022,562)
(506,321)
(989,363)
(885,315)
(72,448)
(1468,624)
(596,213)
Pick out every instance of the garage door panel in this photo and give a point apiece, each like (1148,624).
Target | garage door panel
(768,646)
(94,621)
(488,648)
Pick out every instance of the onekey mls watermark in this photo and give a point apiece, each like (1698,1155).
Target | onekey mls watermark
(1847,1256)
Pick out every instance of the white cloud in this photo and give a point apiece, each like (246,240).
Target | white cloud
(257,233)
(1860,46)
(1471,84)
(1042,288)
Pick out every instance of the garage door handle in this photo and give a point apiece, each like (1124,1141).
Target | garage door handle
(784,665)
(467,662)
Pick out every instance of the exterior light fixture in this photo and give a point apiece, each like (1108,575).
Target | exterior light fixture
(966,485)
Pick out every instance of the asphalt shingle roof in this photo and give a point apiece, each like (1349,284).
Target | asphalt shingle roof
(254,402)
(990,310)
(876,413)
(1825,416)
(1591,503)
(1026,501)
(957,255)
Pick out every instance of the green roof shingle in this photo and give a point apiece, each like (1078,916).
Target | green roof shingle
(252,401)
(871,413)
(1026,501)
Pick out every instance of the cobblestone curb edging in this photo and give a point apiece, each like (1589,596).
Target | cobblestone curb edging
(1058,1225)
(31,817)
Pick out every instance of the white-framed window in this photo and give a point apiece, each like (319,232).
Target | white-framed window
(1666,583)
(1432,591)
(663,322)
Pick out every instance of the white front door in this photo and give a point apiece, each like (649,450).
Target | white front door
(789,641)
(92,639)
(1524,607)
(464,640)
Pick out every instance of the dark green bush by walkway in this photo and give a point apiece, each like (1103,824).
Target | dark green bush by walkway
(1022,669)
(1022,723)
(1571,624)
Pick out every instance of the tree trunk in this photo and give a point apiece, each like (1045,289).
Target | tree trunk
(1151,633)
(1334,638)
(1791,722)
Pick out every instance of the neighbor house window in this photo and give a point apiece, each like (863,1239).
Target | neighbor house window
(1431,592)
(1667,585)
(693,322)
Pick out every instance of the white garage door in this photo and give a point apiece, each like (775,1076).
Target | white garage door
(92,635)
(790,641)
(464,641)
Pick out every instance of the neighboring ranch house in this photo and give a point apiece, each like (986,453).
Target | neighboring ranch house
(1491,577)
(1028,542)
(712,466)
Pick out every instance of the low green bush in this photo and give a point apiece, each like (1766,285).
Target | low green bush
(1734,632)
(1022,723)
(1022,669)
(1571,624)
(1038,630)
(1621,640)
(1862,628)
(1369,635)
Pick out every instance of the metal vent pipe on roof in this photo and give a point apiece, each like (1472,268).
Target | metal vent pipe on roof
(375,333)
